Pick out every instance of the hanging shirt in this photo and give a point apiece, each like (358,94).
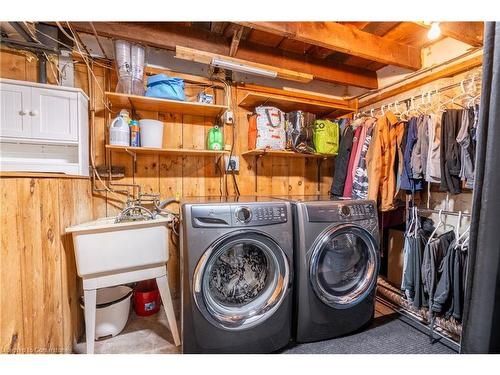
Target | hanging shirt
(463,139)
(407,180)
(348,181)
(380,160)
(450,151)
(433,169)
(360,181)
(342,161)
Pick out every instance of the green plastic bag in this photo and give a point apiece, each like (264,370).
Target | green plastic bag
(326,137)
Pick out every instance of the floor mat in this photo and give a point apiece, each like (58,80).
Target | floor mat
(387,334)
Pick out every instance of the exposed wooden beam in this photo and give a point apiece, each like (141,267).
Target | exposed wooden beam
(235,41)
(204,57)
(345,39)
(468,32)
(218,27)
(167,36)
(448,71)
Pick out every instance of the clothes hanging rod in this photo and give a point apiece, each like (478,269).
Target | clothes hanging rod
(443,212)
(439,90)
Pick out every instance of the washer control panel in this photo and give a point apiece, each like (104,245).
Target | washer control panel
(260,214)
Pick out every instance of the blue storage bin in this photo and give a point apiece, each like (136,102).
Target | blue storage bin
(165,87)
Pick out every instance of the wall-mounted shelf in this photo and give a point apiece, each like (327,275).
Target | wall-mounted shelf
(143,103)
(166,151)
(286,154)
(289,104)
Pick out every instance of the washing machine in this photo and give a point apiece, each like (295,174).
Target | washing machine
(237,262)
(336,266)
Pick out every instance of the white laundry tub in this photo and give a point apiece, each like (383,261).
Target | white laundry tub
(103,247)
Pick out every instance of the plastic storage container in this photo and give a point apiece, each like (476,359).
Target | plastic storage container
(112,310)
(147,299)
(119,131)
(151,133)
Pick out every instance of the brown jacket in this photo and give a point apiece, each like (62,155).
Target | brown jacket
(380,160)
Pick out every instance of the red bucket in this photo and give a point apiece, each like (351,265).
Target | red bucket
(147,299)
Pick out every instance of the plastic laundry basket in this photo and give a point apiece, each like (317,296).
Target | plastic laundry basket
(112,310)
(151,133)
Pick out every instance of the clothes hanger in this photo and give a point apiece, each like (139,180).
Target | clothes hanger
(440,222)
(457,228)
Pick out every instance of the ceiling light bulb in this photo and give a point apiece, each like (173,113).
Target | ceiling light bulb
(434,32)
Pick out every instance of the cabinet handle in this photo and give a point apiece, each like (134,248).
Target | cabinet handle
(23,112)
(33,113)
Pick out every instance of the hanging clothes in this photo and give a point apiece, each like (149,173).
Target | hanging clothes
(407,180)
(380,160)
(417,170)
(348,181)
(450,152)
(342,161)
(360,181)
(433,169)
(463,139)
(434,252)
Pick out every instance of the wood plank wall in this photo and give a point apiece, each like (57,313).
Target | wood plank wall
(37,264)
(39,286)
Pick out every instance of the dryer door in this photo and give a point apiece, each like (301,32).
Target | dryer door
(344,265)
(241,280)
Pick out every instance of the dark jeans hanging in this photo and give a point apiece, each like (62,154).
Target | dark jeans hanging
(481,323)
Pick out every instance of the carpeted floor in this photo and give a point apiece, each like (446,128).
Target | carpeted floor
(390,333)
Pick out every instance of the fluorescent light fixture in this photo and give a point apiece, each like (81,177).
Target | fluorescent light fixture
(238,67)
(434,32)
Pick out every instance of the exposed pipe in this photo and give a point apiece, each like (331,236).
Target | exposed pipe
(42,68)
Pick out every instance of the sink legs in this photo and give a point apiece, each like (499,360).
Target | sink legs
(164,288)
(89,297)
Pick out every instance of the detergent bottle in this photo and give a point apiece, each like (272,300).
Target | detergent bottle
(119,130)
(214,139)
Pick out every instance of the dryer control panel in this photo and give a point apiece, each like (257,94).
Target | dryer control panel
(341,212)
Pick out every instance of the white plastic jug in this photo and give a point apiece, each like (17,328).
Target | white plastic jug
(119,132)
(151,133)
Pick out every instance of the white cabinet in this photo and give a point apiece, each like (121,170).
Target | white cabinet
(43,128)
(15,104)
(54,114)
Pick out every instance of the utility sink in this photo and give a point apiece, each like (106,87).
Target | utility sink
(109,253)
(105,247)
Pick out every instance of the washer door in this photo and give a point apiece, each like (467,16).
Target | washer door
(241,280)
(344,265)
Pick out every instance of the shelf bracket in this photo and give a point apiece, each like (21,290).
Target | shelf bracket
(134,158)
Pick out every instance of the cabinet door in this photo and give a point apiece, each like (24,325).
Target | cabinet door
(15,105)
(54,114)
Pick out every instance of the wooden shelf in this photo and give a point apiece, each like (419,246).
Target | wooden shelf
(166,151)
(291,154)
(143,103)
(322,109)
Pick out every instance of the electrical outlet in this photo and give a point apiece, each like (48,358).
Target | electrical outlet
(228,117)
(235,164)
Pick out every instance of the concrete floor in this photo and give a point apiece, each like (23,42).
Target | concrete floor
(142,335)
(151,335)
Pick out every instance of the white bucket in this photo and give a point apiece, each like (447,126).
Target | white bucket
(151,133)
(112,310)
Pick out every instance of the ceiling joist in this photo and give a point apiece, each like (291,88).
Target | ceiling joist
(168,36)
(467,32)
(345,39)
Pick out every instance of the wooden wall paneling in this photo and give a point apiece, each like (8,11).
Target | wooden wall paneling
(279,174)
(246,176)
(311,177)
(326,176)
(11,304)
(29,239)
(75,197)
(171,181)
(193,169)
(51,318)
(296,183)
(213,166)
